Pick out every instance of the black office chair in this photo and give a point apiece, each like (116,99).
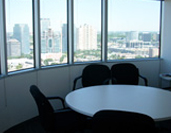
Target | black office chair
(108,121)
(94,74)
(126,73)
(62,121)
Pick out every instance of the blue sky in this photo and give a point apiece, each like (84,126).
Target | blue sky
(134,15)
(124,15)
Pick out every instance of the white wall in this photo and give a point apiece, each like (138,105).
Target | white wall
(166,40)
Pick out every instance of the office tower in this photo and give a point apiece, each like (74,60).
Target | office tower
(153,52)
(45,24)
(57,41)
(21,33)
(146,37)
(13,48)
(135,44)
(155,36)
(43,42)
(132,35)
(75,38)
(50,42)
(86,38)
(64,38)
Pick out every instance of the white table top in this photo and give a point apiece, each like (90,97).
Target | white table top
(151,101)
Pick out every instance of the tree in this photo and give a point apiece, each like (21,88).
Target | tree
(46,61)
(19,66)
(62,58)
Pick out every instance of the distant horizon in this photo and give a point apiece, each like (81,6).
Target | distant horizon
(87,24)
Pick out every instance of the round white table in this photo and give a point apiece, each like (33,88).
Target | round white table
(151,101)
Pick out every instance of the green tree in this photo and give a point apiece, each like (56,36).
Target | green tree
(19,66)
(46,61)
(62,58)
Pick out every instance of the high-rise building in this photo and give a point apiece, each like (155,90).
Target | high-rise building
(45,24)
(50,42)
(86,38)
(155,36)
(64,38)
(134,44)
(146,37)
(13,48)
(21,33)
(132,36)
(153,52)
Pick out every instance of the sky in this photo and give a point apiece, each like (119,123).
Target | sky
(124,15)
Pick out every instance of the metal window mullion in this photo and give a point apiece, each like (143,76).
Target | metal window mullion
(104,26)
(70,35)
(37,34)
(160,28)
(3,40)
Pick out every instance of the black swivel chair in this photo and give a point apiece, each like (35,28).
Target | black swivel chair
(126,73)
(94,74)
(62,120)
(108,121)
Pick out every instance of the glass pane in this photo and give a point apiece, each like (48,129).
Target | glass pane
(19,34)
(133,29)
(53,32)
(87,30)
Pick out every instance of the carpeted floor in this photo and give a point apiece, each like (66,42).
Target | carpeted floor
(30,126)
(33,126)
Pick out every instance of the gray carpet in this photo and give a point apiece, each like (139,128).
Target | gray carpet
(30,126)
(33,126)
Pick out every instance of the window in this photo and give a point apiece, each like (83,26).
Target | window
(76,31)
(87,30)
(53,23)
(19,34)
(133,29)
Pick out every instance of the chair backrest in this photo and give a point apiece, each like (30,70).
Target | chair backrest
(46,112)
(125,73)
(108,121)
(95,74)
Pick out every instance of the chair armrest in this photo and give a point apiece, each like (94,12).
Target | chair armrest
(75,82)
(57,98)
(106,82)
(114,80)
(145,79)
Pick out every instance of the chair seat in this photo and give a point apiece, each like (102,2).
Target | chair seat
(70,119)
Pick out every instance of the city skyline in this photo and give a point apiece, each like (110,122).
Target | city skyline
(132,30)
(121,45)
(83,41)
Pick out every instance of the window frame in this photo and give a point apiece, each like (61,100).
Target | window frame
(68,20)
(103,32)
(159,45)
(70,38)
